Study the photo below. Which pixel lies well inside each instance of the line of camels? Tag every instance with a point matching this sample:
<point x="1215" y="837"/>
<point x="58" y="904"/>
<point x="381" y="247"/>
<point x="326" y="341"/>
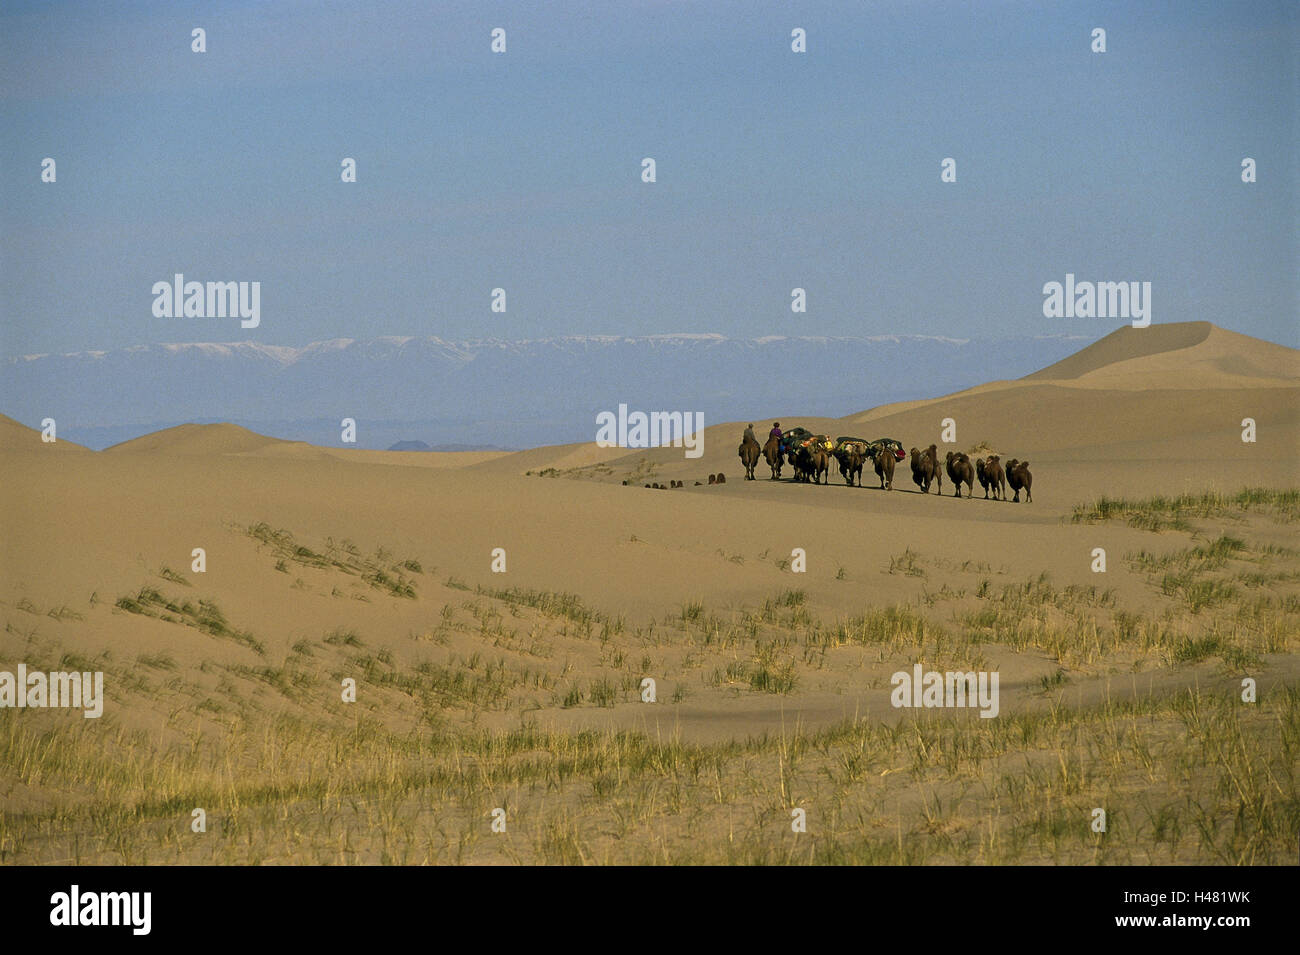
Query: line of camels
<point x="810" y="456"/>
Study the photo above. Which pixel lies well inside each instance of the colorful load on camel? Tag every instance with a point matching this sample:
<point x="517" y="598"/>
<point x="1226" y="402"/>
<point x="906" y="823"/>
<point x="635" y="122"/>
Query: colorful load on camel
<point x="891" y="444"/>
<point x="819" y="440"/>
<point x="794" y="438"/>
<point x="845" y="444"/>
<point x="868" y="449"/>
<point x="797" y="438"/>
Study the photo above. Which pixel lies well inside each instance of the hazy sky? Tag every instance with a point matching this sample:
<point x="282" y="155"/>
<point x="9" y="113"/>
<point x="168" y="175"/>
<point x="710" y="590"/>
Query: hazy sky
<point x="522" y="170"/>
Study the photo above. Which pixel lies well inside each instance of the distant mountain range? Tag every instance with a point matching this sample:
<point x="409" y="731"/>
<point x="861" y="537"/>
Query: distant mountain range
<point x="493" y="392"/>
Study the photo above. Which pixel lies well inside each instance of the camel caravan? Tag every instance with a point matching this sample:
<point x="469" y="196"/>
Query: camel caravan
<point x="809" y="455"/>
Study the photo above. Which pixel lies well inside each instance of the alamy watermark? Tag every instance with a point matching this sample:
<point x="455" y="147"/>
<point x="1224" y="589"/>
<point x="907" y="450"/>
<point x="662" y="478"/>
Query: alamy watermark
<point x="658" y="429"/>
<point x="56" y="689"/>
<point x="1127" y="300"/>
<point x="181" y="299"/>
<point x="934" y="689"/>
<point x="75" y="907"/>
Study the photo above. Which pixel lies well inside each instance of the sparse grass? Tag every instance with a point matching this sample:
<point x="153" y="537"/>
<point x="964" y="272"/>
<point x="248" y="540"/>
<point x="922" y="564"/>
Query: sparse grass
<point x="1081" y="626"/>
<point x="1196" y="649"/>
<point x="569" y="606"/>
<point x="908" y="562"/>
<point x="342" y="637"/>
<point x="1202" y="594"/>
<point x="158" y="661"/>
<point x="452" y="703"/>
<point x="1192" y="777"/>
<point x="205" y="616"/>
<point x="396" y="586"/>
<point x="603" y="693"/>
<point x="380" y="570"/>
<point x="1175" y="513"/>
<point x="1202" y="576"/>
<point x="769" y="673"/>
<point x="1059" y="678"/>
<point x="166" y="573"/>
<point x="1198" y="559"/>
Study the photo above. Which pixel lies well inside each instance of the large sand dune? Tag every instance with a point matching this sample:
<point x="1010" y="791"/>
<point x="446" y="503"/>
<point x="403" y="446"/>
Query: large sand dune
<point x="205" y="439"/>
<point x="17" y="437"/>
<point x="1115" y="412"/>
<point x="153" y="498"/>
<point x="1134" y="357"/>
<point x="150" y="501"/>
<point x="83" y="532"/>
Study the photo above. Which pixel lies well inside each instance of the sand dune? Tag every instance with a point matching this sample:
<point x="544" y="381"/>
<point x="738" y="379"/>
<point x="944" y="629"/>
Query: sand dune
<point x="229" y="439"/>
<point x="199" y="439"/>
<point x="1174" y="392"/>
<point x="16" y="436"/>
<point x="1196" y="357"/>
<point x="305" y="546"/>
<point x="1128" y="343"/>
<point x="1179" y="389"/>
<point x="1082" y="442"/>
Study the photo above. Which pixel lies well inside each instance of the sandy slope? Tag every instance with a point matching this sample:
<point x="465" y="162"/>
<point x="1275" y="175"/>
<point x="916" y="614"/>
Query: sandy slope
<point x="1174" y="393"/>
<point x="453" y="508"/>
<point x="1191" y="350"/>
<point x="1127" y="343"/>
<point x="77" y="523"/>
<point x="17" y="437"/>
<point x="206" y="439"/>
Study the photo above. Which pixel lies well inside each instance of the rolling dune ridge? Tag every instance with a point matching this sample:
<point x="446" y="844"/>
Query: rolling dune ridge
<point x="773" y="687"/>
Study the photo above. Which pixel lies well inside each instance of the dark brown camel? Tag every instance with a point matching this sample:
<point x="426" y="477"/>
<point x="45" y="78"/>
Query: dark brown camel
<point x="923" y="468"/>
<point x="997" y="477"/>
<point x="851" y="462"/>
<point x="885" y="461"/>
<point x="1019" y="478"/>
<point x="960" y="471"/>
<point x="933" y="452"/>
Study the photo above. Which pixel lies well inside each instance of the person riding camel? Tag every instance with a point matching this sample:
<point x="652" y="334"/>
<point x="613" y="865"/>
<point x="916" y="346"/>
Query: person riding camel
<point x="749" y="434"/>
<point x="776" y="430"/>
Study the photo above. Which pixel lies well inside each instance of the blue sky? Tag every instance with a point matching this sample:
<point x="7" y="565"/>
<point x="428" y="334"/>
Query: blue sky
<point x="522" y="170"/>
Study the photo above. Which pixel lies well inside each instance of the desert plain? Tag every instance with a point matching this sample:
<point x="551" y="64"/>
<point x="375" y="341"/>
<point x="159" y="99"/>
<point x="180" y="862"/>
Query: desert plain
<point x="500" y="717"/>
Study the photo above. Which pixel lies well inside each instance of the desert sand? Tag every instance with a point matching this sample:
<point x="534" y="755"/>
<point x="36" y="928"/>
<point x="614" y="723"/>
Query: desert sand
<point x="773" y="687"/>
